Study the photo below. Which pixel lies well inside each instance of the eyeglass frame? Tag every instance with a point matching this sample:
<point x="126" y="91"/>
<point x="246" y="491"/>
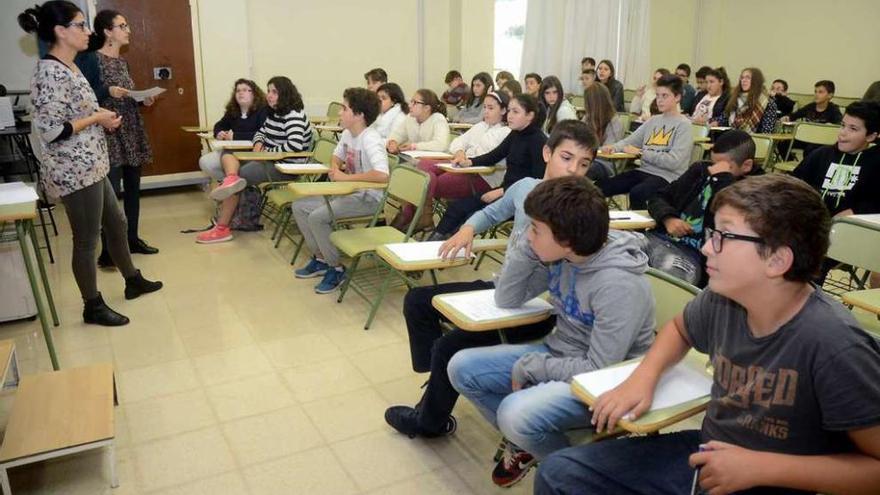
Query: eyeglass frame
<point x="123" y="27"/>
<point x="82" y="25"/>
<point x="718" y="246"/>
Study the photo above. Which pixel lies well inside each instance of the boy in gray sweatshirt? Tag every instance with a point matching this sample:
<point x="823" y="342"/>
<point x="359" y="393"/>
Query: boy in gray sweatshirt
<point x="604" y="315"/>
<point x="664" y="143"/>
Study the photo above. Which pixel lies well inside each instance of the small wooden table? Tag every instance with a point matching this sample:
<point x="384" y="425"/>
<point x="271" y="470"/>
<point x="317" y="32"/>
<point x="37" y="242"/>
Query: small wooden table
<point x="60" y="413"/>
<point x="661" y="418"/>
<point x="23" y="215"/>
<point x="465" y="323"/>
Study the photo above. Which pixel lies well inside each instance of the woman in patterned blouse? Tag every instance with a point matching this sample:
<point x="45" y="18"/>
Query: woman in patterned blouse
<point x="74" y="164"/>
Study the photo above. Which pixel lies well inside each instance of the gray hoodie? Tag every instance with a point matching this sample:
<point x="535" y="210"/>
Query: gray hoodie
<point x="604" y="306"/>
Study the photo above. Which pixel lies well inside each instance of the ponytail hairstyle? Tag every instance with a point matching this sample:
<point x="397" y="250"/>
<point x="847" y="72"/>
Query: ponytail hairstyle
<point x="488" y="85"/>
<point x="232" y="108"/>
<point x="430" y="98"/>
<point x="547" y="83"/>
<point x="42" y="19"/>
<point x="395" y="94"/>
<point x="721" y="74"/>
<point x="104" y="20"/>
<point x="531" y="105"/>
<point x="288" y="96"/>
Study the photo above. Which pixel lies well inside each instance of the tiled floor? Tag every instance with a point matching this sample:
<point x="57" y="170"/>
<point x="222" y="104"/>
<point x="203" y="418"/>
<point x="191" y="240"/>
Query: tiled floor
<point x="236" y="378"/>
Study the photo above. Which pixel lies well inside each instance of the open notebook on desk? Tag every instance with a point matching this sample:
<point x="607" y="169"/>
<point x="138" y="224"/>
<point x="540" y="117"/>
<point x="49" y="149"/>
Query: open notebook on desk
<point x="627" y="215"/>
<point x="479" y="306"/>
<point x="419" y="251"/>
<point x="680" y="384"/>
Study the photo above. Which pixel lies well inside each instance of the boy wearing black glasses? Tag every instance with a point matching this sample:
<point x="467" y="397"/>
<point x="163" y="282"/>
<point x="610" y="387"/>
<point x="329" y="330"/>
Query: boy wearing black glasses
<point x="796" y="389"/>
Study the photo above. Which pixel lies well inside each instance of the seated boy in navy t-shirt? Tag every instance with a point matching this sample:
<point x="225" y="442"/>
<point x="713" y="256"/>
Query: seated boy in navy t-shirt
<point x="796" y="390"/>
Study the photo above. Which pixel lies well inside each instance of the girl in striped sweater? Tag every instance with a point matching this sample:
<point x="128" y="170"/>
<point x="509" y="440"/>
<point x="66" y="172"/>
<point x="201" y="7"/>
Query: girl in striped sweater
<point x="287" y="128"/>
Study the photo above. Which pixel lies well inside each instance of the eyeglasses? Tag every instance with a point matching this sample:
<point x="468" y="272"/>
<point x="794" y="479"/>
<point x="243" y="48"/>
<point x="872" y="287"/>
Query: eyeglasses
<point x="123" y="26"/>
<point x="717" y="237"/>
<point x="416" y="102"/>
<point x="81" y="25"/>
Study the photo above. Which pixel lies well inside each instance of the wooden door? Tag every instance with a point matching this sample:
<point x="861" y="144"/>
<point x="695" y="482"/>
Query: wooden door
<point x="161" y="36"/>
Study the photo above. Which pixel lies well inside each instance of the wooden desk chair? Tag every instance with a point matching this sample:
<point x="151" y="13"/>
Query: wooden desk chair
<point x="405" y="185"/>
<point x="277" y="199"/>
<point x="810" y="133"/>
<point x="334" y="109"/>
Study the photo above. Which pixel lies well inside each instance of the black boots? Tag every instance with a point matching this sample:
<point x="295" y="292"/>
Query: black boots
<point x="140" y="246"/>
<point x="97" y="312"/>
<point x="138" y="285"/>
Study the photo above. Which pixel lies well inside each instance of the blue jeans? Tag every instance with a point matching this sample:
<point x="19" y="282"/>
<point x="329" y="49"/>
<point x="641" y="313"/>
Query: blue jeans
<point x="534" y="418"/>
<point x="628" y="466"/>
<point x="654" y="465"/>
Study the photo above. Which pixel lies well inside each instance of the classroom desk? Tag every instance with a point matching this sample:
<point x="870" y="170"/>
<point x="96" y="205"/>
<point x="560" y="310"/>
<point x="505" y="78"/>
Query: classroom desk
<point x="270" y="156"/>
<point x="60" y="413"/>
<point x="321" y="119"/>
<point x="23" y="215"/>
<point x="332" y="188"/>
<point x="459" y="126"/>
<point x="335" y="129"/>
<point x="196" y="128"/>
<point x="702" y="139"/>
<point x="868" y="299"/>
<point x="479" y="246"/>
<point x="661" y="418"/>
<point x="618" y="159"/>
<point x="634" y="224"/>
<point x="292" y="169"/>
<point x="465" y="323"/>
<point x="468" y="170"/>
<point x="229" y="147"/>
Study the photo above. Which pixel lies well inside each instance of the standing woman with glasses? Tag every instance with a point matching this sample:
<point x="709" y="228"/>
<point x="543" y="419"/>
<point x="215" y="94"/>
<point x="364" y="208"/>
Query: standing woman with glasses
<point x="74" y="165"/>
<point x="128" y="145"/>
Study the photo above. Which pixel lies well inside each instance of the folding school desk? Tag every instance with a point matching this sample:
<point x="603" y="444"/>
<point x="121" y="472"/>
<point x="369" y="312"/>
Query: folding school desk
<point x="23" y="215"/>
<point x="460" y="320"/>
<point x="195" y="128"/>
<point x="404" y="267"/>
<point x="269" y="156"/>
<point x="212" y="143"/>
<point x="618" y="159"/>
<point x="470" y="171"/>
<point x="330" y="189"/>
<point x="775" y="138"/>
<point x="634" y="223"/>
<point x="654" y="421"/>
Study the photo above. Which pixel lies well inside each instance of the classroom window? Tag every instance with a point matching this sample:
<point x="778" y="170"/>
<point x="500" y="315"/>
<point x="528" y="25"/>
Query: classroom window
<point x="510" y="28"/>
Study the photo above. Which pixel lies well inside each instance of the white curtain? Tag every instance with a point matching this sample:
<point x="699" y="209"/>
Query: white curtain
<point x="560" y="32"/>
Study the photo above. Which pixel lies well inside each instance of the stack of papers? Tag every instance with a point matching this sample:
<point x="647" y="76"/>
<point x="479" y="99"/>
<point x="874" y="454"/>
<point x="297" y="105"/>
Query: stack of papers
<point x="480" y="306"/>
<point x="420" y="251"/>
<point x="12" y="193"/>
<point x="678" y="385"/>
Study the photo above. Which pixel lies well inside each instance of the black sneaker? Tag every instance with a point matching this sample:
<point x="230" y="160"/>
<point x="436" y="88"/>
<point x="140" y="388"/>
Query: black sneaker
<point x="405" y="419"/>
<point x="513" y="466"/>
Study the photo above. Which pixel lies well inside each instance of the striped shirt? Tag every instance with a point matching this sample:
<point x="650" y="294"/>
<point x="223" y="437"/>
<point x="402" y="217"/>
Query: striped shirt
<point x="291" y="132"/>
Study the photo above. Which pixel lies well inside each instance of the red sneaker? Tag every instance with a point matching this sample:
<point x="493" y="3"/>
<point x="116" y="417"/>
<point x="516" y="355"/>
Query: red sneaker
<point x="513" y="466"/>
<point x="220" y="233"/>
<point x="232" y="184"/>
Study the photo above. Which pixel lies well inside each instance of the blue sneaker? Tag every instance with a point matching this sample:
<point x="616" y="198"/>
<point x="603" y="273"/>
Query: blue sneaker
<point x="315" y="268"/>
<point x="331" y="281"/>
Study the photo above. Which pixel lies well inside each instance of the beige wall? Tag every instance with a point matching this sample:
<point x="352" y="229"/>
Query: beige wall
<point x="325" y="47"/>
<point x="801" y="41"/>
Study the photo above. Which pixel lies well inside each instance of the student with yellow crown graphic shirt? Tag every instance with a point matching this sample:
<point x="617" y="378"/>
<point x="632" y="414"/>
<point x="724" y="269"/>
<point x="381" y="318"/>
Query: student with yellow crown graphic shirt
<point x="664" y="144"/>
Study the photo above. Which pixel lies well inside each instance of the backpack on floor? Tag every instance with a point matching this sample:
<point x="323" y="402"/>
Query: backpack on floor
<point x="247" y="213"/>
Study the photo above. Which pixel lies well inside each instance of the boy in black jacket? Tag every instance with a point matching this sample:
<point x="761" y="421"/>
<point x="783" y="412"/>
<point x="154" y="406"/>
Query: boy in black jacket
<point x="681" y="209"/>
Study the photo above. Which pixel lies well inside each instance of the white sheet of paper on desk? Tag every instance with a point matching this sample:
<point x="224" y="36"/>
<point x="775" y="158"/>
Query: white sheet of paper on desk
<point x="480" y="306"/>
<point x="425" y="154"/>
<point x="220" y="143"/>
<point x="143" y="94"/>
<point x="419" y="251"/>
<point x="627" y="216"/>
<point x="678" y="385"/>
<point x="16" y="192"/>
<point x="301" y="166"/>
